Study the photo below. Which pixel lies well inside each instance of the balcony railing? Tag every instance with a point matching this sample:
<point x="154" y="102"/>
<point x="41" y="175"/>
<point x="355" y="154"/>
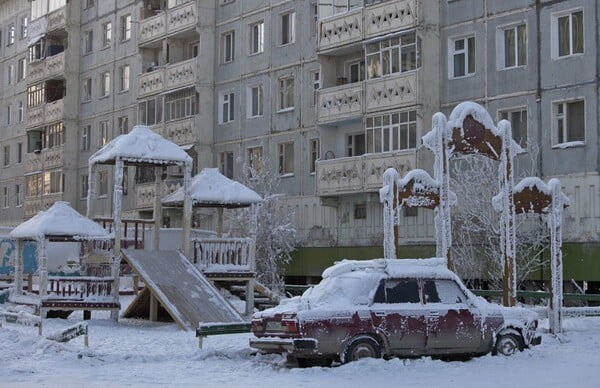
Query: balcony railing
<point x="169" y="77"/>
<point x="364" y="23"/>
<point x="361" y="173"/>
<point x="145" y="193"/>
<point x="57" y="19"/>
<point x="33" y="205"/>
<point x="46" y="68"/>
<point x="224" y="254"/>
<point x="172" y="21"/>
<point x="46" y="159"/>
<point x="353" y="100"/>
<point x="180" y="132"/>
<point x="45" y="113"/>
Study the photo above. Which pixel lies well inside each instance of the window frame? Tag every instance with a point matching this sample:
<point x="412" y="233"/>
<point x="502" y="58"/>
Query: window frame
<point x="124" y="78"/>
<point x="519" y="45"/>
<point x="453" y="53"/>
<point x="105" y="83"/>
<point x="314" y="154"/>
<point x="103" y="133"/>
<point x="284" y="94"/>
<point x="285" y="157"/>
<point x="555" y="32"/>
<point x="556" y="143"/>
<point x="86" y="138"/>
<point x="226" y="107"/>
<point x="250" y="105"/>
<point x="259" y="41"/>
<point x="509" y="112"/>
<point x="384" y="124"/>
<point x="227" y="47"/>
<point x="106" y="34"/>
<point x="88" y="41"/>
<point x="391" y="50"/>
<point x="125" y="27"/>
<point x="287" y="32"/>
<point x="226" y="163"/>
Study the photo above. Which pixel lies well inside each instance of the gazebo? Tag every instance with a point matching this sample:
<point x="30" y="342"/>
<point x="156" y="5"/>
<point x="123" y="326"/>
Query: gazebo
<point x="61" y="223"/>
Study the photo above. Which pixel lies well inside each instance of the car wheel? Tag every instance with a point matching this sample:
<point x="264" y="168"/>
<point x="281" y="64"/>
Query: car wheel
<point x="362" y="347"/>
<point x="508" y="344"/>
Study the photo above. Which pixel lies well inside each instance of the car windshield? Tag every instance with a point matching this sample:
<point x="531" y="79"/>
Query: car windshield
<point x="342" y="290"/>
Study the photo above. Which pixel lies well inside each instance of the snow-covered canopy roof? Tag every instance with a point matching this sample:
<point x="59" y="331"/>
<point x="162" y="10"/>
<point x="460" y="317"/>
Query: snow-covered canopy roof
<point x="531" y="194"/>
<point x="432" y="268"/>
<point x="60" y="220"/>
<point x="210" y="188"/>
<point x="141" y="146"/>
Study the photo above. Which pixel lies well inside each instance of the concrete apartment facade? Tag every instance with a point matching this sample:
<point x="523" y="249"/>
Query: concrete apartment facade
<point x="330" y="92"/>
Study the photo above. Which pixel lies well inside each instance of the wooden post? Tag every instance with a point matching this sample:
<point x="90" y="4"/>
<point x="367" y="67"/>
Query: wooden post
<point x="91" y="194"/>
<point x="116" y="265"/>
<point x="250" y="297"/>
<point x="157" y="207"/>
<point x="153" y="308"/>
<point x="19" y="268"/>
<point x="42" y="268"/>
<point x="187" y="210"/>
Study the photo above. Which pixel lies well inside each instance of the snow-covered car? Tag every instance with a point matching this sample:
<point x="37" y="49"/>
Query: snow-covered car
<point x="385" y="308"/>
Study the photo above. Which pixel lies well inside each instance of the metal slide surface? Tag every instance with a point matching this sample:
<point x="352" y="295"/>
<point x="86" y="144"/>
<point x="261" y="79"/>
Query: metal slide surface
<point x="188" y="296"/>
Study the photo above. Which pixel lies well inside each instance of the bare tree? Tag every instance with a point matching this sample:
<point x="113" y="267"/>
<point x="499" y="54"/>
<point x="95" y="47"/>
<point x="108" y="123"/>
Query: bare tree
<point x="476" y="251"/>
<point x="275" y="234"/>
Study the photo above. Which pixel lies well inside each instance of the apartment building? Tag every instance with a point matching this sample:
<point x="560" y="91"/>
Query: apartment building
<point x="329" y="93"/>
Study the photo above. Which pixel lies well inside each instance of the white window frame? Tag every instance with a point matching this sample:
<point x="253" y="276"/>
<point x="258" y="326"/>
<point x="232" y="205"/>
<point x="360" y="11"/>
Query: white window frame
<point x="226" y="107"/>
<point x="563" y="117"/>
<point x="255" y="158"/>
<point x="287" y="32"/>
<point x="11" y="34"/>
<point x="250" y="101"/>
<point x="554" y="33"/>
<point x="228" y="47"/>
<point x="125" y="27"/>
<point x="6" y="156"/>
<point x="257" y="37"/>
<point x="87" y="89"/>
<point x="18" y="195"/>
<point x="88" y="41"/>
<point x="105" y="84"/>
<point x="386" y="56"/>
<point x="361" y="70"/>
<point x="315" y="154"/>
<point x="315" y="77"/>
<point x="106" y="34"/>
<point x="84" y="181"/>
<point x="10" y="74"/>
<point x="501" y="49"/>
<point x="285" y="96"/>
<point x="509" y="112"/>
<point x="386" y="132"/>
<point x="21" y="112"/>
<point x="6" y="198"/>
<point x="21" y="69"/>
<point x="24" y="25"/>
<point x="103" y="133"/>
<point x="123" y="124"/>
<point x="285" y="157"/>
<point x="124" y="78"/>
<point x="226" y="163"/>
<point x="102" y="184"/>
<point x="453" y="53"/>
<point x="86" y="138"/>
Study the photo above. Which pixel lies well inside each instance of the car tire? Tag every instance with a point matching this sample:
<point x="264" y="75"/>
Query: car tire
<point x="362" y="347"/>
<point x="508" y="344"/>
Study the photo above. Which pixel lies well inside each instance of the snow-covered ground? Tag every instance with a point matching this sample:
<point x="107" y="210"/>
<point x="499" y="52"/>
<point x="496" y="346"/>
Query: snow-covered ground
<point x="140" y="353"/>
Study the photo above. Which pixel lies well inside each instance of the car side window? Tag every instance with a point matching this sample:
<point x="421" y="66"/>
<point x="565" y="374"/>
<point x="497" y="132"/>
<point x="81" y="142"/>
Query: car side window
<point x="449" y="292"/>
<point x="402" y="291"/>
<point x="430" y="290"/>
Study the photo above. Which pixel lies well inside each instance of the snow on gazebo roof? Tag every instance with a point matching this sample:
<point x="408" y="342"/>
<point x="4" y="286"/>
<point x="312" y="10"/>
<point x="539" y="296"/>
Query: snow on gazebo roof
<point x="210" y="188"/>
<point x="60" y="220"/>
<point x="141" y="145"/>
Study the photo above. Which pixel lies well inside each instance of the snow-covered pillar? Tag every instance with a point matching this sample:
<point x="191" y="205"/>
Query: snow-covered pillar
<point x="187" y="210"/>
<point x="157" y="207"/>
<point x="507" y="224"/>
<point x="386" y="197"/>
<point x="91" y="194"/>
<point x="19" y="267"/>
<point x="42" y="257"/>
<point x="253" y="232"/>
<point x="117" y="205"/>
<point x="555" y="226"/>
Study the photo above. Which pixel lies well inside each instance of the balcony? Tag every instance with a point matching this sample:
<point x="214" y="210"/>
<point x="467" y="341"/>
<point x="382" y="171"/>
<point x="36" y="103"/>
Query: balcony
<point x="180" y="132"/>
<point x="169" y="77"/>
<point x="47" y="68"/>
<point x="171" y="22"/>
<point x="45" y="113"/>
<point x="340" y="103"/>
<point x="46" y="159"/>
<point x="344" y="29"/>
<point x="57" y="20"/>
<point x="360" y="174"/>
<point x="33" y="205"/>
<point x="145" y="193"/>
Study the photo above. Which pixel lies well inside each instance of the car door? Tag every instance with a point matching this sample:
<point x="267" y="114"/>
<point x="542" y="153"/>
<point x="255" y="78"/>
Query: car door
<point x="453" y="325"/>
<point x="398" y="313"/>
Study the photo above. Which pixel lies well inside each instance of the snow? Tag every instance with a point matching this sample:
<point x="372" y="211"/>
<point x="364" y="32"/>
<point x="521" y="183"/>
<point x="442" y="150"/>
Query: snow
<point x="141" y="145"/>
<point x="59" y="220"/>
<point x="212" y="187"/>
<point x="569" y="144"/>
<point x="139" y="353"/>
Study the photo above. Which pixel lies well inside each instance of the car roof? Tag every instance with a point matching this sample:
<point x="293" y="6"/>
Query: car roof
<point x="435" y="268"/>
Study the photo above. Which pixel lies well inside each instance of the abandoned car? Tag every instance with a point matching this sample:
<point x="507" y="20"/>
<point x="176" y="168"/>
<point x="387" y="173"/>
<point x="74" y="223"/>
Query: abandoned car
<point x="386" y="308"/>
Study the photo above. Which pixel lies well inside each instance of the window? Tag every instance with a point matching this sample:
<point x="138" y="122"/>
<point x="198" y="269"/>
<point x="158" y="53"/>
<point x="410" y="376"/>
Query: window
<point x="288" y="21"/>
<point x="150" y="111"/>
<point x="36" y="51"/>
<point x="356" y="145"/>
<point x="105" y="84"/>
<point x="103" y="133"/>
<point x="87" y="89"/>
<point x="227" y="47"/>
<point x="19" y="152"/>
<point x="257" y="37"/>
<point x="34" y="141"/>
<point x="398" y="54"/>
<point x="21" y="112"/>
<point x="6" y="155"/>
<point x="10" y="74"/>
<point x="11" y="34"/>
<point x="316" y="82"/>
<point x="144" y="175"/>
<point x="33" y="185"/>
<point x="334" y="7"/>
<point x="125" y="27"/>
<point x="567" y="34"/>
<point x="21" y="69"/>
<point x="18" y="196"/>
<point x="124" y="78"/>
<point x="514" y="45"/>
<point x="36" y="95"/>
<point x="84" y="185"/>
<point x="286" y="158"/>
<point x="5" y="196"/>
<point x="53" y="182"/>
<point x="227" y="107"/>
<point x="518" y="121"/>
<point x="255" y="101"/>
<point x="255" y="160"/>
<point x="462" y="57"/>
<point x="286" y="93"/>
<point x="360" y="211"/>
<point x="123" y="125"/>
<point x="226" y="164"/>
<point x="106" y="34"/>
<point x="181" y="104"/>
<point x="102" y="183"/>
<point x="569" y="122"/>
<point x="54" y="135"/>
<point x="24" y="23"/>
<point x="88" y="41"/>
<point x="314" y="155"/>
<point x="390" y="132"/>
<point x="356" y="71"/>
<point x="443" y="291"/>
<point x="8" y="114"/>
<point x="86" y="137"/>
<point x="397" y="291"/>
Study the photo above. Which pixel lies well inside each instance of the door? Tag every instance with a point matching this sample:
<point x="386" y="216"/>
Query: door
<point x="453" y="325"/>
<point x="398" y="313"/>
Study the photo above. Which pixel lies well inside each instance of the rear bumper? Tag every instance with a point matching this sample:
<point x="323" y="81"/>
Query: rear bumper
<point x="296" y="346"/>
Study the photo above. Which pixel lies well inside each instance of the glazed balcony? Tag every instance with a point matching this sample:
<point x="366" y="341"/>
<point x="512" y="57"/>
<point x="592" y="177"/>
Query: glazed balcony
<point x="45" y="113"/>
<point x="46" y="159"/>
<point x="46" y="68"/>
<point x="345" y="29"/>
<point x="171" y="22"/>
<point x="360" y="174"/>
<point x="351" y="101"/>
<point x="172" y="76"/>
